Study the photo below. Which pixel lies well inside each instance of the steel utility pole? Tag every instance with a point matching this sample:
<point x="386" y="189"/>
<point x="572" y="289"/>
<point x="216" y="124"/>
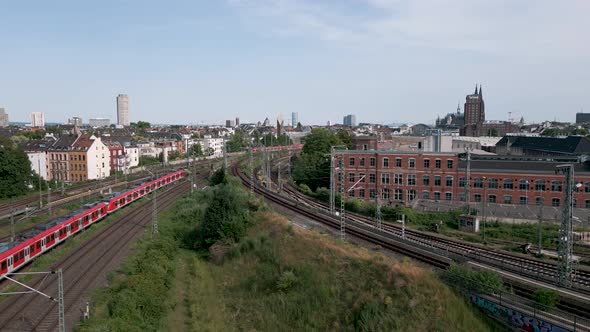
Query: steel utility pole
<point x="60" y="293"/>
<point x="341" y="178"/>
<point x="467" y="180"/>
<point x="40" y="189"/>
<point x="565" y="244"/>
<point x="279" y="177"/>
<point x="332" y="187"/>
<point x="251" y="164"/>
<point x="539" y="250"/>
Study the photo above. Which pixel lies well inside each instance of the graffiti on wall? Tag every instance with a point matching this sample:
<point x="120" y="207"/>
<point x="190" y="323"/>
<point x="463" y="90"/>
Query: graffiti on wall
<point x="514" y="318"/>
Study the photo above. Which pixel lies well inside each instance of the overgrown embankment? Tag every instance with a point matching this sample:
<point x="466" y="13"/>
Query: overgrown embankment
<point x="224" y="262"/>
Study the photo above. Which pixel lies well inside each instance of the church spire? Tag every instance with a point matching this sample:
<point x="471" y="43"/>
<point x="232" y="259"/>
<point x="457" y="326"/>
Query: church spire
<point x="475" y="90"/>
<point x="480" y="90"/>
<point x="458" y="108"/>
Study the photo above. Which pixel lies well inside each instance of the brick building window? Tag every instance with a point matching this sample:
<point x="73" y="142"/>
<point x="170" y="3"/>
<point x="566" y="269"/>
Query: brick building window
<point x="362" y="161"/>
<point x="425" y="195"/>
<point x="398" y="179"/>
<point x="478" y="183"/>
<point x="588" y="204"/>
<point x="351" y="193"/>
<point x="362" y="177"/>
<point x="492" y="198"/>
<point x="426" y="180"/>
<point x="524" y="200"/>
<point x="361" y="192"/>
<point x="587" y="187"/>
<point x="462" y="197"/>
<point x="412" y="163"/>
<point x="449" y="181"/>
<point x="462" y="182"/>
<point x="540" y="185"/>
<point x="372" y="178"/>
<point x="556" y="186"/>
<point x="351" y="161"/>
<point x="411" y="179"/>
<point x="398" y="162"/>
<point x="538" y="201"/>
<point x="555" y="202"/>
<point x="371" y="193"/>
<point x="477" y="197"/>
<point x="493" y="183"/>
<point x="507" y="199"/>
<point x="437" y="180"/>
<point x="436" y="196"/>
<point x="523" y="185"/>
<point x="372" y="162"/>
<point x="385" y="162"/>
<point x="351" y="177"/>
<point x="437" y="163"/>
<point x="426" y="163"/>
<point x="411" y="195"/>
<point x="508" y="184"/>
<point x="398" y="194"/>
<point x="385" y="193"/>
<point x="384" y="178"/>
<point x="449" y="196"/>
<point x="449" y="163"/>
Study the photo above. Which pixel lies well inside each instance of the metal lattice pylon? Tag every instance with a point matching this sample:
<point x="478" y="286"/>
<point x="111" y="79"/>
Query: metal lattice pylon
<point x="341" y="182"/>
<point x="60" y="300"/>
<point x="565" y="244"/>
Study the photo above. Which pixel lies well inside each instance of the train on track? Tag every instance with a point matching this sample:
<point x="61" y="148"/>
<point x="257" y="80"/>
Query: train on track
<point x="14" y="255"/>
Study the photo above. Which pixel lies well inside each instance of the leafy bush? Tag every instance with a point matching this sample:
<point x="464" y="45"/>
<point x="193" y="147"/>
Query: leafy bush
<point x="219" y="177"/>
<point x="286" y="281"/>
<point x="482" y="282"/>
<point x="547" y="297"/>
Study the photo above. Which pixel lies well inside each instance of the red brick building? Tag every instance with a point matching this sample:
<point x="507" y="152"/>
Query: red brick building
<point x="402" y="177"/>
<point x="115" y="150"/>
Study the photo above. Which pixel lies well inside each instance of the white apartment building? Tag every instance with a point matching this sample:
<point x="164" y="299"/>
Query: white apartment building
<point x="215" y="145"/>
<point x="37" y="119"/>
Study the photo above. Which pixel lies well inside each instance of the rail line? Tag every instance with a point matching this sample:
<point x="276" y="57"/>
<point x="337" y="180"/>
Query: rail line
<point x="83" y="268"/>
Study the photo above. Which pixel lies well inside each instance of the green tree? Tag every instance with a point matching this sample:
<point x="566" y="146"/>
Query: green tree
<point x="237" y="141"/>
<point x="345" y="138"/>
<point x="197" y="150"/>
<point x="15" y="170"/>
<point x="219" y="177"/>
<point x="546" y="297"/>
<point x="225" y="218"/>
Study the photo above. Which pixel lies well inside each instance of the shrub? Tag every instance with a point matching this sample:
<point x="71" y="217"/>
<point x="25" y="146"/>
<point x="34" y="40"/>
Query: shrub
<point x="286" y="281"/>
<point x="482" y="282"/>
<point x="546" y="297"/>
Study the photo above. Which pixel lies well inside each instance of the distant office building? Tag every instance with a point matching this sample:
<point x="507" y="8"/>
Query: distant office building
<point x="350" y="120"/>
<point x="37" y="119"/>
<point x="75" y="121"/>
<point x="237" y="121"/>
<point x="123" y="110"/>
<point x="3" y="118"/>
<point x="582" y="118"/>
<point x="294" y="119"/>
<point x="99" y="122"/>
<point x="230" y="123"/>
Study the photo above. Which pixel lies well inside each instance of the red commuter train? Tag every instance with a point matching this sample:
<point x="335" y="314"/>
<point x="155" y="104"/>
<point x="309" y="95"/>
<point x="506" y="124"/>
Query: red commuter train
<point x="13" y="255"/>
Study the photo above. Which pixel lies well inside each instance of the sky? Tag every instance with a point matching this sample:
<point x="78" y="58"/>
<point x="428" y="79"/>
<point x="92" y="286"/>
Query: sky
<point x="205" y="61"/>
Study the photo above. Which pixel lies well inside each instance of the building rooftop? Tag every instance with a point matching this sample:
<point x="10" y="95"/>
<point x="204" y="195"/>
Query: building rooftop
<point x="574" y="145"/>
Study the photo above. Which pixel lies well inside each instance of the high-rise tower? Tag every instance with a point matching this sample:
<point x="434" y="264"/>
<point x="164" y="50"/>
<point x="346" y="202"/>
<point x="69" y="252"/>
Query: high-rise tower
<point x="474" y="113"/>
<point x="123" y="110"/>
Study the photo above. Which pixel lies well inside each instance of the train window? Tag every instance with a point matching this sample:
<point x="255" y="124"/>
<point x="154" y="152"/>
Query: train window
<point x="21" y="255"/>
<point x="32" y="248"/>
<point x="48" y="239"/>
<point x="38" y="245"/>
<point x="3" y="266"/>
<point x="15" y="257"/>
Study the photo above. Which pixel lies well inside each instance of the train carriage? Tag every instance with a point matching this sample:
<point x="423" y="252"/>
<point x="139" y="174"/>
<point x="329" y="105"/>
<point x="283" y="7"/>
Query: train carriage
<point x="43" y="237"/>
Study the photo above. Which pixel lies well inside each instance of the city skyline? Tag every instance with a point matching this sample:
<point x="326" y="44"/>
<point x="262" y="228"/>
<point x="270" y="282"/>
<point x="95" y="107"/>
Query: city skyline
<point x="385" y="61"/>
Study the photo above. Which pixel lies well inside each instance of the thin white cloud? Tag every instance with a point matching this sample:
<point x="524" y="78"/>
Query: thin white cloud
<point x="542" y="28"/>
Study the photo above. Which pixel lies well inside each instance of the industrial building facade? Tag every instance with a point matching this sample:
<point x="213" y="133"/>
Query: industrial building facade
<point x="402" y="177"/>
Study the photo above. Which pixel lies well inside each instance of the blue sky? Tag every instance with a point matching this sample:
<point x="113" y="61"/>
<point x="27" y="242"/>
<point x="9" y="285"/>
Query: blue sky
<point x="205" y="61"/>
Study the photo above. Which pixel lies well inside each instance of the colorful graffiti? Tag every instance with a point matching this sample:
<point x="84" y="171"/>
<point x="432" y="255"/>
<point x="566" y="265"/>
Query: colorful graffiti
<point x="514" y="318"/>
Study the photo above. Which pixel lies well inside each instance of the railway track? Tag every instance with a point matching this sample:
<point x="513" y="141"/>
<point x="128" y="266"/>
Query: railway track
<point x="526" y="266"/>
<point x="84" y="268"/>
<point x="421" y="250"/>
